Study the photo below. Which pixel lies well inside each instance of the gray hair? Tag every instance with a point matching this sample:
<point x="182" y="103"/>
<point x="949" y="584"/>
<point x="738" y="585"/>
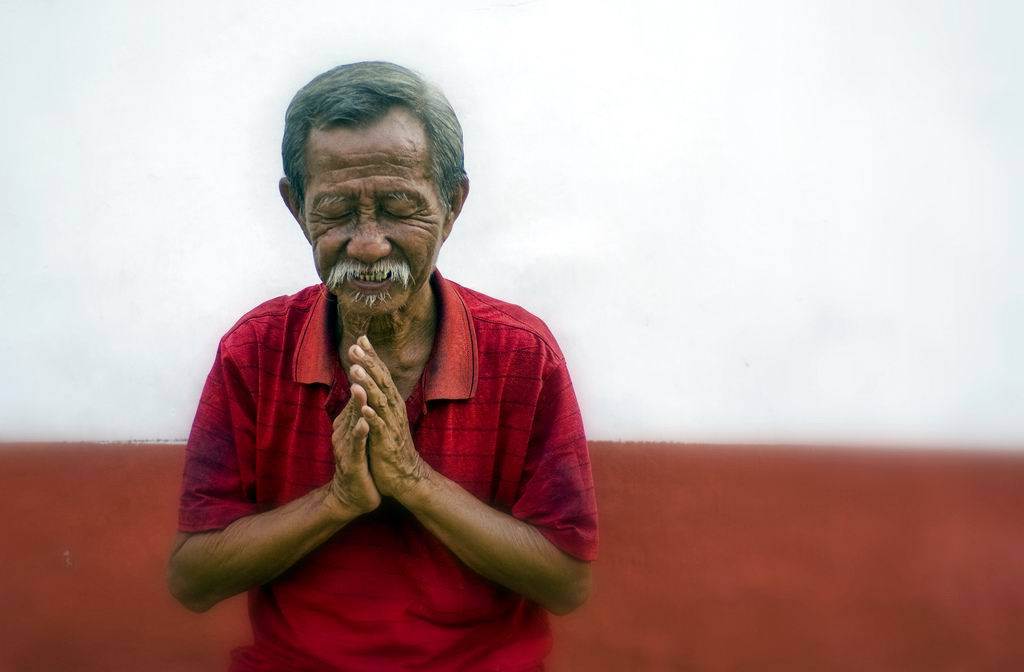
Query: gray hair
<point x="361" y="93"/>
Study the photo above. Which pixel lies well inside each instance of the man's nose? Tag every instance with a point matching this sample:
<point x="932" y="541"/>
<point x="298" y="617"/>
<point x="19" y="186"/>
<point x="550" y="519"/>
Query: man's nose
<point x="368" y="243"/>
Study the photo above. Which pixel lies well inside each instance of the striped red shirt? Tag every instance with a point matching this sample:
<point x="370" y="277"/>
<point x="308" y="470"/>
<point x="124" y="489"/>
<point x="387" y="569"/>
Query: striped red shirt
<point x="494" y="411"/>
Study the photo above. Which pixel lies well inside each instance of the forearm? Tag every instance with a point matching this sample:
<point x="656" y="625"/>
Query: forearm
<point x="211" y="566"/>
<point x="498" y="546"/>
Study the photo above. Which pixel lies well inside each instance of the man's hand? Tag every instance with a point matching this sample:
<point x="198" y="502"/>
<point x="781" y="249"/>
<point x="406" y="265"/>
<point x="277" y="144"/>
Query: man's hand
<point x="394" y="462"/>
<point x="493" y="544"/>
<point x="352" y="486"/>
<point x="207" y="567"/>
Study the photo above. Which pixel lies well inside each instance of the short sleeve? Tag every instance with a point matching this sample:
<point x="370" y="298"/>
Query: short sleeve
<point x="214" y="491"/>
<point x="556" y="494"/>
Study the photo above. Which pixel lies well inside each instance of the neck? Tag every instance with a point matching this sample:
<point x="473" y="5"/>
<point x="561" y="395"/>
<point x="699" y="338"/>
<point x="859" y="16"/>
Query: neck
<point x="402" y="338"/>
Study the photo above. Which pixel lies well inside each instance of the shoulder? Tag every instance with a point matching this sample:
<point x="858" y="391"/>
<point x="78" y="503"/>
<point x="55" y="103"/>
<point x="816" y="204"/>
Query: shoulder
<point x="274" y="321"/>
<point x="502" y="324"/>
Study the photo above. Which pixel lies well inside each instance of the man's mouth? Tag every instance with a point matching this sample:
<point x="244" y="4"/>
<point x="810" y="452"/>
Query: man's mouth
<point x="376" y="280"/>
<point x="371" y="281"/>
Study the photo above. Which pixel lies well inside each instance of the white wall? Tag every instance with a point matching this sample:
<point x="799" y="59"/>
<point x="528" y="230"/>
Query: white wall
<point x="744" y="221"/>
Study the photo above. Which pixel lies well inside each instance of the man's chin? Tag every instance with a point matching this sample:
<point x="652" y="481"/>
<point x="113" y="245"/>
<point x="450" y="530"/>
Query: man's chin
<point x="369" y="303"/>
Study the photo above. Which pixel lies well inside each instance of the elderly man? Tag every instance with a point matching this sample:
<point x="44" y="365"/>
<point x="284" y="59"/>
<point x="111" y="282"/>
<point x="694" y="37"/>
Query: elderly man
<point x="394" y="466"/>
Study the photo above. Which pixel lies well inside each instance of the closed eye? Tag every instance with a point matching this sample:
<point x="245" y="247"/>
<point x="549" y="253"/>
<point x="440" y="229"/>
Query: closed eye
<point x="332" y="208"/>
<point x="399" y="204"/>
<point x="336" y="216"/>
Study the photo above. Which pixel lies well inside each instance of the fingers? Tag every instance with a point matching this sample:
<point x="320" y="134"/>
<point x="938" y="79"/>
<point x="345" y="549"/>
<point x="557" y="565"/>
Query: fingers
<point x="358" y="398"/>
<point x="363" y="353"/>
<point x="372" y="418"/>
<point x="376" y="396"/>
<point x="360" y="433"/>
<point x="350" y="439"/>
<point x="357" y="444"/>
<point x="344" y="418"/>
<point x="350" y="414"/>
<point x="364" y="343"/>
<point x="373" y="421"/>
<point x="361" y="429"/>
<point x="343" y="424"/>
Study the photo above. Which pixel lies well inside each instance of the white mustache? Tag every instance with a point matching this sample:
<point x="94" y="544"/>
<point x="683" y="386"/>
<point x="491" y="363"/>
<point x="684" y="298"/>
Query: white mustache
<point x="346" y="268"/>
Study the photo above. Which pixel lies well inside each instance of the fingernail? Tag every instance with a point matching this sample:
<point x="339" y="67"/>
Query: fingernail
<point x="357" y="371"/>
<point x="359" y="351"/>
<point x="364" y="341"/>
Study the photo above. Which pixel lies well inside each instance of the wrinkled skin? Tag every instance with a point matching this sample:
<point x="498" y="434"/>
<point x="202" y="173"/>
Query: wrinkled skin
<point x="370" y="196"/>
<point x="395" y="464"/>
<point x="352" y="485"/>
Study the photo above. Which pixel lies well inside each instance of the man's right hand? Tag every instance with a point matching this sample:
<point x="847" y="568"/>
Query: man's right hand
<point x="352" y="489"/>
<point x="206" y="567"/>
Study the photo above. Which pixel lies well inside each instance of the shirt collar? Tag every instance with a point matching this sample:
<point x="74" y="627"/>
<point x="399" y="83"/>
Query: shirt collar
<point x="451" y="371"/>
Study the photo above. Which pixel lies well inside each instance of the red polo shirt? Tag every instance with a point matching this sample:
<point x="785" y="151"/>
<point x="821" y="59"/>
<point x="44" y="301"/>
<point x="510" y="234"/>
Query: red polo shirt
<point x="494" y="411"/>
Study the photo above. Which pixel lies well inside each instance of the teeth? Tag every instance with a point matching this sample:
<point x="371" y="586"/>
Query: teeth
<point x="372" y="277"/>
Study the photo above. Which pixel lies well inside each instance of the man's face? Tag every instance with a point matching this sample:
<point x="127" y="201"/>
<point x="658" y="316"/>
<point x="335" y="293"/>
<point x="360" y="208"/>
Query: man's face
<point x="372" y="211"/>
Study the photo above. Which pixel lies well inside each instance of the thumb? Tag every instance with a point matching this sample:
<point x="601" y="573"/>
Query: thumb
<point x="343" y="418"/>
<point x="358" y="444"/>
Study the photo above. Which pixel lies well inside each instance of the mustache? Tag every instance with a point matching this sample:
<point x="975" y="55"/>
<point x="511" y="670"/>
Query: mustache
<point x="345" y="268"/>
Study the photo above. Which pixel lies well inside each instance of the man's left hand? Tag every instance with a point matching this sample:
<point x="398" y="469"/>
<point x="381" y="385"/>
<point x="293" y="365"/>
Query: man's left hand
<point x="394" y="463"/>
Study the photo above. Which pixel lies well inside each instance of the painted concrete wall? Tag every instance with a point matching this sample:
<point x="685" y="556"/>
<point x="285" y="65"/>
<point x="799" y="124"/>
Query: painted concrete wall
<point x="711" y="558"/>
<point x="743" y="221"/>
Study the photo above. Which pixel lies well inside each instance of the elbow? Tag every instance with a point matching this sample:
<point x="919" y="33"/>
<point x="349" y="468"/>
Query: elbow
<point x="567" y="604"/>
<point x="184" y="591"/>
<point x="575" y="593"/>
<point x="179" y="590"/>
<point x="195" y="606"/>
<point x="186" y="598"/>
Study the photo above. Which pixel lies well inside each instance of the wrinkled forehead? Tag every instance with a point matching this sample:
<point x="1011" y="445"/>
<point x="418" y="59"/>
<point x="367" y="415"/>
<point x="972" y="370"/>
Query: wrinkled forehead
<point x="368" y="176"/>
<point x="347" y="167"/>
<point x="398" y="138"/>
<point x="363" y="165"/>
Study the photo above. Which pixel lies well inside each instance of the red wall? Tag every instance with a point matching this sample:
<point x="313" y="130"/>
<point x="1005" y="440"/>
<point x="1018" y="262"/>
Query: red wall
<point x="712" y="558"/>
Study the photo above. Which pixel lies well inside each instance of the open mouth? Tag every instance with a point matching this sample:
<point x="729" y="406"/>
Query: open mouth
<point x="376" y="280"/>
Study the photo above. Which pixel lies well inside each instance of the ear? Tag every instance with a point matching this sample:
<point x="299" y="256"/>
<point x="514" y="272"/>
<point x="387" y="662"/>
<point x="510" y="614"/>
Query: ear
<point x="458" y="200"/>
<point x="291" y="202"/>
